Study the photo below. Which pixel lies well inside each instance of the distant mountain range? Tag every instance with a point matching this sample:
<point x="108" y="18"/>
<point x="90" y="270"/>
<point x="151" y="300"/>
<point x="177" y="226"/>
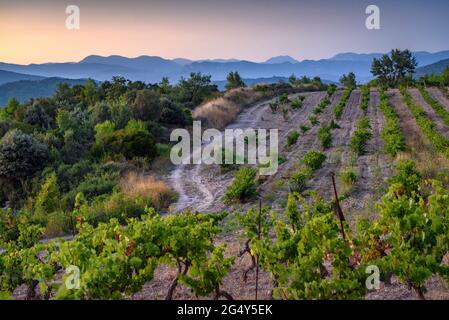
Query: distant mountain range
<point x="152" y="69"/>
<point x="23" y="90"/>
<point x="434" y="68"/>
<point x="8" y="76"/>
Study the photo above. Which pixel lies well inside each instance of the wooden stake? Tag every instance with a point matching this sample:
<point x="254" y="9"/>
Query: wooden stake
<point x="339" y="212"/>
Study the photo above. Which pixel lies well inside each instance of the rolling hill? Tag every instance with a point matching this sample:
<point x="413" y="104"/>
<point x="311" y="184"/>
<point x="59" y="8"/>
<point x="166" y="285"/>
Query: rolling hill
<point x="26" y="89"/>
<point x="8" y="76"/>
<point x="434" y="68"/>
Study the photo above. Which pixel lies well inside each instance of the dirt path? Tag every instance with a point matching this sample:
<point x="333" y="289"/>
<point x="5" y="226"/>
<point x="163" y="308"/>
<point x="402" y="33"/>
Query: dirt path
<point x="438" y="95"/>
<point x="431" y="114"/>
<point x="413" y="135"/>
<point x="201" y="187"/>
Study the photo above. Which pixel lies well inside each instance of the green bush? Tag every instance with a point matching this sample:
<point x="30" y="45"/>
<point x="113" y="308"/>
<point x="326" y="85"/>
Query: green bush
<point x="348" y="176"/>
<point x="297" y="103"/>
<point x="407" y="176"/>
<point x="298" y="179"/>
<point x="394" y="140"/>
<point x="338" y="110"/>
<point x="325" y="136"/>
<point x="243" y="187"/>
<point x="304" y="129"/>
<point x="274" y="106"/>
<point x="292" y="138"/>
<point x="361" y="136"/>
<point x="284" y="98"/>
<point x="366" y="90"/>
<point x="314" y="159"/>
<point x="314" y="120"/>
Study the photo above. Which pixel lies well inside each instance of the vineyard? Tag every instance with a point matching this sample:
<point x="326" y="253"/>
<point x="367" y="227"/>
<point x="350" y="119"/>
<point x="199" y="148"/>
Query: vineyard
<point x="363" y="181"/>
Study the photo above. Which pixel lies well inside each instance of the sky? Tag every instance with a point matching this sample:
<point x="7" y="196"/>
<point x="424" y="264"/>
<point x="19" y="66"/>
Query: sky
<point x="34" y="31"/>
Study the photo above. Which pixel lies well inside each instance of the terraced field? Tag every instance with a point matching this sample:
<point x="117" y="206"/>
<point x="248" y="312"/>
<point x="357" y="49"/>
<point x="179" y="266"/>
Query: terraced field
<point x="372" y="168"/>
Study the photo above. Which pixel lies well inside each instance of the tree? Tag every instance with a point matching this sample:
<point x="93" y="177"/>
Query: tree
<point x="37" y="116"/>
<point x="21" y="156"/>
<point x="146" y="106"/>
<point x="90" y="94"/>
<point x="348" y="80"/>
<point x="234" y="81"/>
<point x="395" y="67"/>
<point x="195" y="90"/>
<point x="12" y="105"/>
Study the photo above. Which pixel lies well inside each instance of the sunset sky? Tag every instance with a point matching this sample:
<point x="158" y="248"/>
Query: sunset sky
<point x="34" y="31"/>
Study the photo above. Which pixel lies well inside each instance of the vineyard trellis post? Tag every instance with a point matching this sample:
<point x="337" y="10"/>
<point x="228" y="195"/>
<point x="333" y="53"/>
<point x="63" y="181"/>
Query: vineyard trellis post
<point x="338" y="210"/>
<point x="257" y="256"/>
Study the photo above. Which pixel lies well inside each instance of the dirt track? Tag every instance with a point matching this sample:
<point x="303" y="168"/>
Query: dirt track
<point x="418" y="99"/>
<point x="438" y="95"/>
<point x="374" y="169"/>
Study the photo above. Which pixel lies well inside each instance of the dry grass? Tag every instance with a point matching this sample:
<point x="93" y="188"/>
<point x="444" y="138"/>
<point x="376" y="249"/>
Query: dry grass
<point x="135" y="185"/>
<point x="220" y="112"/>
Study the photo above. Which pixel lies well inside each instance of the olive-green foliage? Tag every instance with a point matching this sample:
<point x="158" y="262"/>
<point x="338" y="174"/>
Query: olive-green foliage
<point x="314" y="159"/>
<point x="243" y="187"/>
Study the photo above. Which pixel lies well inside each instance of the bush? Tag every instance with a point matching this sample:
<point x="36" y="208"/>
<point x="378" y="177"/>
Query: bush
<point x="338" y="110"/>
<point x="243" y="187"/>
<point x="325" y="136"/>
<point x="394" y="140"/>
<point x="361" y="136"/>
<point x="314" y="159"/>
<point x="407" y="176"/>
<point x="297" y="103"/>
<point x="348" y="176"/>
<point x="299" y="179"/>
<point x="48" y="199"/>
<point x="292" y="138"/>
<point x="274" y="106"/>
<point x="314" y="120"/>
<point x="304" y="129"/>
<point x="21" y="156"/>
<point x="284" y="98"/>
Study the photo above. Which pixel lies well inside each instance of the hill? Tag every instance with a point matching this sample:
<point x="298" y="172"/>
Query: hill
<point x="152" y="69"/>
<point x="26" y="89"/>
<point x="434" y="68"/>
<point x="281" y="59"/>
<point x="8" y="76"/>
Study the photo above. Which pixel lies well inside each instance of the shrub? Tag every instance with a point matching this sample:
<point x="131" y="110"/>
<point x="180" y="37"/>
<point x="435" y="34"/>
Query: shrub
<point x="297" y="103"/>
<point x="314" y="120"/>
<point x="331" y="89"/>
<point x="394" y="140"/>
<point x="338" y="110"/>
<point x="314" y="159"/>
<point x="243" y="187"/>
<point x="48" y="199"/>
<point x="348" y="176"/>
<point x="407" y="176"/>
<point x="21" y="156"/>
<point x="304" y="129"/>
<point x="292" y="138"/>
<point x="325" y="136"/>
<point x="361" y="136"/>
<point x="298" y="179"/>
<point x="284" y="98"/>
<point x="365" y="98"/>
<point x="274" y="106"/>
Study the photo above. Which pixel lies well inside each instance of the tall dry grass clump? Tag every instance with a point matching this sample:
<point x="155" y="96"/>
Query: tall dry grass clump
<point x="147" y="188"/>
<point x="220" y="112"/>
